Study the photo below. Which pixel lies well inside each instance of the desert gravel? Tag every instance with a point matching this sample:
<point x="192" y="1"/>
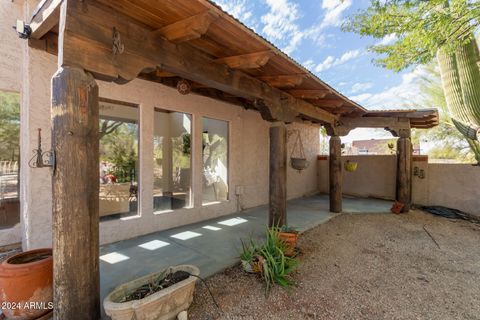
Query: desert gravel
<point x="364" y="266"/>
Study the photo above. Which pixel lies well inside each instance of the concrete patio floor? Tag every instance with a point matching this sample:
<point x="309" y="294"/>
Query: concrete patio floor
<point x="212" y="245"/>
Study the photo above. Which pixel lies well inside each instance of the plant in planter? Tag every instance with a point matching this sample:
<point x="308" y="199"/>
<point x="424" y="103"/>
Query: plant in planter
<point x="158" y="296"/>
<point x="27" y="277"/>
<point x="350" y="166"/>
<point x="298" y="162"/>
<point x="275" y="265"/>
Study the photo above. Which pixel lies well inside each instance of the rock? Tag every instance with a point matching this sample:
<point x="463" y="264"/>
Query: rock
<point x="182" y="315"/>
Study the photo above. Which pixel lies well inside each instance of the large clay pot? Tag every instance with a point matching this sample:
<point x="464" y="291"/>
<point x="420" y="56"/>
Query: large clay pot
<point x="26" y="285"/>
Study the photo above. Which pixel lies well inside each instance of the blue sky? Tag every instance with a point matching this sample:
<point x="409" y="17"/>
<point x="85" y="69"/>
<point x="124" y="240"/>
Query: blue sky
<point x="309" y="31"/>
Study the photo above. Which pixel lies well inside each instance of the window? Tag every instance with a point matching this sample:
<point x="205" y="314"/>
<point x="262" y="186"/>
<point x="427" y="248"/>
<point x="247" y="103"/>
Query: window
<point x="9" y="159"/>
<point x="172" y="163"/>
<point x="118" y="159"/>
<point x="215" y="161"/>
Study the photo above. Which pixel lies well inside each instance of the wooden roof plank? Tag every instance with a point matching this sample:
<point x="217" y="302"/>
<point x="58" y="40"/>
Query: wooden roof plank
<point x="88" y="42"/>
<point x="247" y="61"/>
<point x="284" y="81"/>
<point x="193" y="27"/>
<point x="45" y="17"/>
<point x="309" y="93"/>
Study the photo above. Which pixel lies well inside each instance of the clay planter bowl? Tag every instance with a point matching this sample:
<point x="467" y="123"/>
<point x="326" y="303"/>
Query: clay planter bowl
<point x="24" y="278"/>
<point x="299" y="163"/>
<point x="165" y="304"/>
<point x="290" y="238"/>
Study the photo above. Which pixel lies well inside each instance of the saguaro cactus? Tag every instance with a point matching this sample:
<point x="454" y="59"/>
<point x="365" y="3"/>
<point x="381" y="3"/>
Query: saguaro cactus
<point x="461" y="84"/>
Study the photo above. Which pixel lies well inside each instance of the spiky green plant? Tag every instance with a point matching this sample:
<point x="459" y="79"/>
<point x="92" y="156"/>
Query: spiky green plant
<point x="276" y="267"/>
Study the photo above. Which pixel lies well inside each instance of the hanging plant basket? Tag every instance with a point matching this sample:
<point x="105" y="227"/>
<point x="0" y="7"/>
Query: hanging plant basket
<point x="350" y="166"/>
<point x="298" y="161"/>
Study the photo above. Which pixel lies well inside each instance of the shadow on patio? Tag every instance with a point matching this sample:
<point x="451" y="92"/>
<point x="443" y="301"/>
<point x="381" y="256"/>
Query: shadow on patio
<point x="212" y="245"/>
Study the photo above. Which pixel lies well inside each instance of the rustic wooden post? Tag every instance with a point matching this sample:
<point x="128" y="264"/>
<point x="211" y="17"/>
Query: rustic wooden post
<point x="75" y="135"/>
<point x="278" y="175"/>
<point x="335" y="174"/>
<point x="404" y="169"/>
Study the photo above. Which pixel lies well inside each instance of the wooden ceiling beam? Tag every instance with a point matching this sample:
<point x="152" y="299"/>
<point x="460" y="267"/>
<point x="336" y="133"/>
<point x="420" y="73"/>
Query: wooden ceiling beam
<point x="92" y="35"/>
<point x="164" y="74"/>
<point x="309" y="94"/>
<point x="188" y="29"/>
<point x="44" y="18"/>
<point x="375" y="122"/>
<point x="248" y="61"/>
<point x="284" y="81"/>
<point x="328" y="103"/>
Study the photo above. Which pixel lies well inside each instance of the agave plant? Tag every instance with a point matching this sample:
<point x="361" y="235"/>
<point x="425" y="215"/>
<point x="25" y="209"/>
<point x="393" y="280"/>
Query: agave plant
<point x="276" y="267"/>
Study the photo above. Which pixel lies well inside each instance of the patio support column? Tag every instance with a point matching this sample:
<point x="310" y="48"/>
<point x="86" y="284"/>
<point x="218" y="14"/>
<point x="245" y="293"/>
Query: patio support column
<point x="335" y="173"/>
<point x="404" y="169"/>
<point x="75" y="139"/>
<point x="278" y="175"/>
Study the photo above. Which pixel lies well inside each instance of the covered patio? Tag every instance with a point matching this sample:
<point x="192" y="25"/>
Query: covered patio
<point x="198" y="243"/>
<point x="199" y="49"/>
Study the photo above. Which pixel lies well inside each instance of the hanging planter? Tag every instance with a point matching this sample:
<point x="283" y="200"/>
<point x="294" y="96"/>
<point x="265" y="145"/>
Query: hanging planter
<point x="350" y="166"/>
<point x="299" y="161"/>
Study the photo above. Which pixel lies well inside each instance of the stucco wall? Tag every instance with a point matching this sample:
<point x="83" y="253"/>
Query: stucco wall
<point x="11" y="59"/>
<point x="450" y="185"/>
<point x="248" y="150"/>
<point x="455" y="186"/>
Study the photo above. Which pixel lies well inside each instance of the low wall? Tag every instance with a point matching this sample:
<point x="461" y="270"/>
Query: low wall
<point x="450" y="185"/>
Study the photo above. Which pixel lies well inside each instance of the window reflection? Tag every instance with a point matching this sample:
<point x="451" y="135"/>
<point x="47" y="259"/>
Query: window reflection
<point x="215" y="160"/>
<point x="118" y="160"/>
<point x="9" y="159"/>
<point x="172" y="160"/>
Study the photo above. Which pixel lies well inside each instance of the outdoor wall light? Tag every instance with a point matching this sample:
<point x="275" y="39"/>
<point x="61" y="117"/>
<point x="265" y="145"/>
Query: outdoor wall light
<point x="40" y="158"/>
<point x="23" y="30"/>
<point x="420" y="173"/>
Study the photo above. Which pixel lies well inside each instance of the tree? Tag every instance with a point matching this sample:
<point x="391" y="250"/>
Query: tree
<point x="9" y="126"/>
<point x="428" y="30"/>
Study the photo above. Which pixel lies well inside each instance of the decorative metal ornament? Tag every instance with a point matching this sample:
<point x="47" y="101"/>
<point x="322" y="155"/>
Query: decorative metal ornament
<point x="184" y="87"/>
<point x="41" y="159"/>
<point x="118" y="46"/>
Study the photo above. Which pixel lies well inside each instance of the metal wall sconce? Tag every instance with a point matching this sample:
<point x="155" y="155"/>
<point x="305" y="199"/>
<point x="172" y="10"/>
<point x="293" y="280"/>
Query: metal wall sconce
<point x="42" y="159"/>
<point x="420" y="173"/>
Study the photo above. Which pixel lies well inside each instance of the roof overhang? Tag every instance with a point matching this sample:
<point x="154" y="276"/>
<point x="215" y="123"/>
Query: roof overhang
<point x="167" y="41"/>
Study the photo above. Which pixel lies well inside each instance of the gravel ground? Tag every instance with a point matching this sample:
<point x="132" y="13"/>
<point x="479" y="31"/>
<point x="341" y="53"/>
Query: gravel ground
<point x="366" y="266"/>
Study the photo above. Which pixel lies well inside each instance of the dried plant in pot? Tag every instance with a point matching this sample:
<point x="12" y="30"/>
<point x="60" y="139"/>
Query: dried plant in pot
<point x="27" y="278"/>
<point x="158" y="296"/>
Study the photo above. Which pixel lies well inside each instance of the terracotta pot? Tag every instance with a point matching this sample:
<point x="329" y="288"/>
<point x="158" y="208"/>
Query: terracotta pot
<point x="26" y="284"/>
<point x="397" y="207"/>
<point x="290" y="238"/>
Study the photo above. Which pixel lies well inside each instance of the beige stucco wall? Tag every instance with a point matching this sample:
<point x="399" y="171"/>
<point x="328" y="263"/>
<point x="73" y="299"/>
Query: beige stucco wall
<point x="450" y="185"/>
<point x="11" y="59"/>
<point x="248" y="157"/>
<point x="455" y="186"/>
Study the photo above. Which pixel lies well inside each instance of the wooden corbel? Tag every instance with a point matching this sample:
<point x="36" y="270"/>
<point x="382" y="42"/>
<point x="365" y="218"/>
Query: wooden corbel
<point x="272" y="113"/>
<point x="337" y="129"/>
